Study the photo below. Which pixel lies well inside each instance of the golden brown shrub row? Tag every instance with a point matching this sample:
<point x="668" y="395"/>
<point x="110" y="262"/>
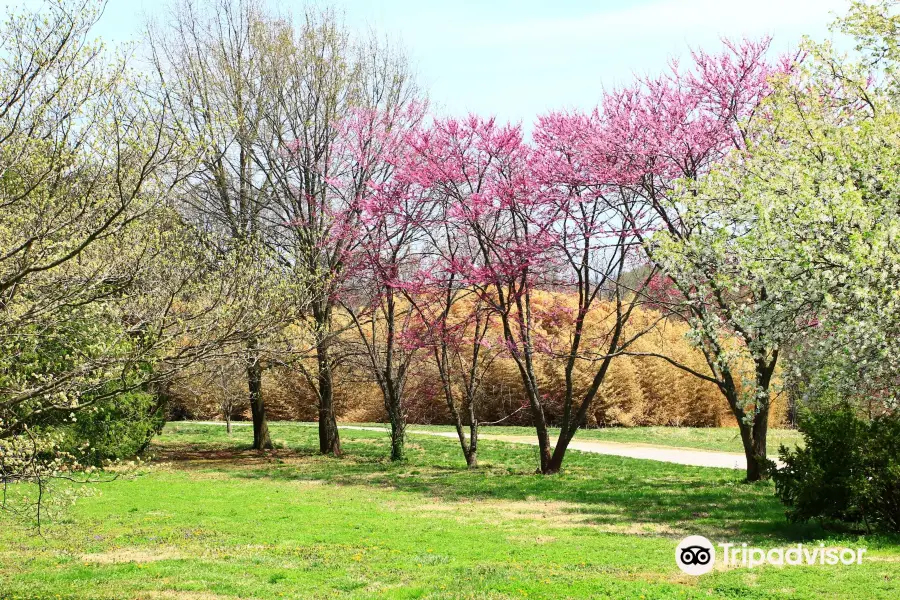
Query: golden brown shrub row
<point x="638" y="390"/>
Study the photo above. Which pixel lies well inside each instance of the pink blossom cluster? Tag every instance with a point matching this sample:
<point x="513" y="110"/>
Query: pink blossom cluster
<point x="451" y="208"/>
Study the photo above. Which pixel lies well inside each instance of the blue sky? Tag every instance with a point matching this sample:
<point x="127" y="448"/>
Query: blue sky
<point x="516" y="59"/>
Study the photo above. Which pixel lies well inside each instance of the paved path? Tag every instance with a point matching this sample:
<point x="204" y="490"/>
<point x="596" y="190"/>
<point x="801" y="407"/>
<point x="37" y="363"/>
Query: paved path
<point x="681" y="456"/>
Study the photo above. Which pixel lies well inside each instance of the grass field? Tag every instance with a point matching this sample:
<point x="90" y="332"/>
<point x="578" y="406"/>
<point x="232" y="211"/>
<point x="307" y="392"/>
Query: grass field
<point x="211" y="520"/>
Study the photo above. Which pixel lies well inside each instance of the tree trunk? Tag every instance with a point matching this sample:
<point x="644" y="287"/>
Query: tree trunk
<point x="525" y="366"/>
<point x="469" y="448"/>
<point x="228" y="424"/>
<point x="746" y="431"/>
<point x="261" y="439"/>
<point x="398" y="435"/>
<point x="394" y="408"/>
<point x="472" y="454"/>
<point x="571" y="422"/>
<point x="329" y="437"/>
<point x="529" y="380"/>
<point x="543" y="440"/>
<point x="759" y="433"/>
<point x="753" y="431"/>
<point x="753" y="437"/>
<point x="472" y="459"/>
<point x="540" y="422"/>
<point x="559" y="452"/>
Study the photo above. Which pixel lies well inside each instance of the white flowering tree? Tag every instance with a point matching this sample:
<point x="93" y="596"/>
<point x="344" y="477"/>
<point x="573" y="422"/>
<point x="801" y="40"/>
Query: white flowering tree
<point x="793" y="238"/>
<point x="851" y="141"/>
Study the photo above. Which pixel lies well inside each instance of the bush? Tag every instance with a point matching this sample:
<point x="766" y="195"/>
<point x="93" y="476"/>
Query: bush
<point x="117" y="429"/>
<point x="103" y="415"/>
<point x="848" y="471"/>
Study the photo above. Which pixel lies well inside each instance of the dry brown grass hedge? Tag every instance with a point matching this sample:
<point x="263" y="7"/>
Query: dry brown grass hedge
<point x="638" y="391"/>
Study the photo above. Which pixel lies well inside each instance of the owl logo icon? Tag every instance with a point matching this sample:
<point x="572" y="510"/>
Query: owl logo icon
<point x="695" y="555"/>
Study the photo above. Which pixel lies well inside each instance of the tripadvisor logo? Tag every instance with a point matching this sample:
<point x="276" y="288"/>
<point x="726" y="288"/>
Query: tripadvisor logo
<point x="696" y="555"/>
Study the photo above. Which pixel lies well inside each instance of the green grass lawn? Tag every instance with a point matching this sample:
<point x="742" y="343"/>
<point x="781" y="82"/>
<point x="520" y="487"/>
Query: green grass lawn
<point x="722" y="439"/>
<point x="212" y="520"/>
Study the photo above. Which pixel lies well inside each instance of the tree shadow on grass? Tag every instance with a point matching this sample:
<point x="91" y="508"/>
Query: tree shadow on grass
<point x="611" y="492"/>
<point x="205" y="456"/>
<point x="616" y="493"/>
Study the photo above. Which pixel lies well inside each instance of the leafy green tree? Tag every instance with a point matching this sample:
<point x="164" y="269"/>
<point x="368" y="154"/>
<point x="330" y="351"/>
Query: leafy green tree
<point x="105" y="291"/>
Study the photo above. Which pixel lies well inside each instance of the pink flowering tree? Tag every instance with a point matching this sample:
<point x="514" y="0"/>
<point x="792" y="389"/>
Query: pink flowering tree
<point x="479" y="170"/>
<point x="454" y="327"/>
<point x="330" y="151"/>
<point x="593" y="245"/>
<point x="532" y="228"/>
<point x="455" y="319"/>
<point x="393" y="218"/>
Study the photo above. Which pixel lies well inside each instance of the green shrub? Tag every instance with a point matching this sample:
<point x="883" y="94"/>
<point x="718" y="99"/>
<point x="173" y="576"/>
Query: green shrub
<point x="848" y="471"/>
<point x="118" y="428"/>
<point x="103" y="414"/>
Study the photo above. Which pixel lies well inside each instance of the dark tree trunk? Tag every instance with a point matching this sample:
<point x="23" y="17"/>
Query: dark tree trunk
<point x="555" y="463"/>
<point x="261" y="439"/>
<point x="525" y="365"/>
<point x="753" y="470"/>
<point x="753" y="430"/>
<point x="566" y="435"/>
<point x="472" y="454"/>
<point x="329" y="438"/>
<point x="537" y="412"/>
<point x="529" y="380"/>
<point x="393" y="380"/>
<point x="543" y="436"/>
<point x="754" y="441"/>
<point x="398" y="429"/>
<point x="559" y="452"/>
<point x="760" y="430"/>
<point x="753" y="438"/>
<point x="758" y="446"/>
<point x="571" y="422"/>
<point x="472" y="459"/>
<point x="470" y="447"/>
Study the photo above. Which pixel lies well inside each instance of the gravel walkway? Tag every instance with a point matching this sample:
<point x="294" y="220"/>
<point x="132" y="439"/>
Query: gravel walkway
<point x="681" y="456"/>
